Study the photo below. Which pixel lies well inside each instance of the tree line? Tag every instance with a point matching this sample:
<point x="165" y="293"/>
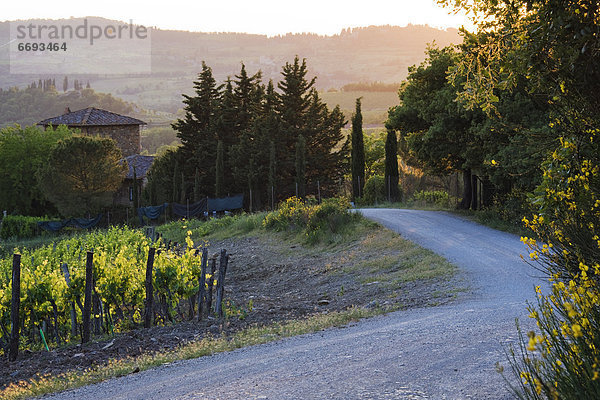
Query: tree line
<point x="499" y="151"/>
<point x="516" y="106"/>
<point x="244" y="136"/>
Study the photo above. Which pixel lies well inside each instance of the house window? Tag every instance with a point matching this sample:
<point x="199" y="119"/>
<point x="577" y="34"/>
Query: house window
<point x="130" y="193"/>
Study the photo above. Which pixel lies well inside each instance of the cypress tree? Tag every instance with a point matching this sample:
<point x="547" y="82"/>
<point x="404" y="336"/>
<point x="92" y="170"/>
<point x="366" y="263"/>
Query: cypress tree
<point x="391" y="165"/>
<point x="358" y="153"/>
<point x="272" y="167"/>
<point x="183" y="196"/>
<point x="251" y="182"/>
<point x="301" y="166"/>
<point x="196" y="185"/>
<point x="220" y="170"/>
<point x="175" y="182"/>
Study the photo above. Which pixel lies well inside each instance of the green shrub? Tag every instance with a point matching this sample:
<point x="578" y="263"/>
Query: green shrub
<point x="20" y="227"/>
<point x="291" y="213"/>
<point x="329" y="216"/>
<point x="313" y="220"/>
<point x="226" y="226"/>
<point x="374" y="190"/>
<point x="437" y="197"/>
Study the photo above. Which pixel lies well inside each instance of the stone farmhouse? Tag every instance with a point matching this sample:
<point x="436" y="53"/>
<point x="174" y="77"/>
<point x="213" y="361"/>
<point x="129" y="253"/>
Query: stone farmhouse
<point x="124" y="130"/>
<point x="96" y="122"/>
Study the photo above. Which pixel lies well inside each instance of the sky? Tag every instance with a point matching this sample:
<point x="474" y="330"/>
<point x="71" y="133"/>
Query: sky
<point x="270" y="17"/>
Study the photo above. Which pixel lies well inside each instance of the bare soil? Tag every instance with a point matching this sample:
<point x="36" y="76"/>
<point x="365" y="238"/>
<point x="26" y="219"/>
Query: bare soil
<point x="269" y="279"/>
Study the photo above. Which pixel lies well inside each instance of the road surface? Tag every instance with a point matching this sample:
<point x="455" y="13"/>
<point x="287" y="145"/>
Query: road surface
<point x="446" y="352"/>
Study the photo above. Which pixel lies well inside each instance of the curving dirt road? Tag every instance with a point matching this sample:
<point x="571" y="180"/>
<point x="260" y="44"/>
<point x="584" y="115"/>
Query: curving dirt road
<point x="446" y="352"/>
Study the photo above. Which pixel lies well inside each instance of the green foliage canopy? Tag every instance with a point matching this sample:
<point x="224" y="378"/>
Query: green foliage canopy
<point x="82" y="174"/>
<point x="24" y="151"/>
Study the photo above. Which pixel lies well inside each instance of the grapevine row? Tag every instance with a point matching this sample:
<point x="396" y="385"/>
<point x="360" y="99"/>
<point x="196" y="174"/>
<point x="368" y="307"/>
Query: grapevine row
<point x="53" y="284"/>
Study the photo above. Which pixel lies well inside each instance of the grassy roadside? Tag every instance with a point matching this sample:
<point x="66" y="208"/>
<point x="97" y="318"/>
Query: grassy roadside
<point x="490" y="219"/>
<point x="487" y="217"/>
<point x="377" y="259"/>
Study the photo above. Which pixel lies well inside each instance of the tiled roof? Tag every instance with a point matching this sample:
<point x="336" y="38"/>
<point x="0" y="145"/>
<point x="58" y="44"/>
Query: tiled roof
<point x="141" y="163"/>
<point x="91" y="117"/>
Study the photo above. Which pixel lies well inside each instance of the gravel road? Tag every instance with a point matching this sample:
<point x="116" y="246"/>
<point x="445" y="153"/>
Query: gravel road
<point x="446" y="352"/>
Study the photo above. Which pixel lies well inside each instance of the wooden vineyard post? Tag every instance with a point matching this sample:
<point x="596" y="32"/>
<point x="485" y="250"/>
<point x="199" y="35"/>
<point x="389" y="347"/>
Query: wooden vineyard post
<point x="211" y="280"/>
<point x="202" y="284"/>
<point x="87" y="301"/>
<point x="14" y="309"/>
<point x="221" y="283"/>
<point x="96" y="310"/>
<point x="149" y="296"/>
<point x="65" y="270"/>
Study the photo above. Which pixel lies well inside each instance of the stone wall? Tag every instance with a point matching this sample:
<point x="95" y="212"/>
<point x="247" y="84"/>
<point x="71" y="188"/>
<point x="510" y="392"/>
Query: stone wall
<point x="127" y="137"/>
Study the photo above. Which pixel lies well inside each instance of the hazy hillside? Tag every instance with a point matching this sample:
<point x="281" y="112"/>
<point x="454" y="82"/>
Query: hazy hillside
<point x="381" y="53"/>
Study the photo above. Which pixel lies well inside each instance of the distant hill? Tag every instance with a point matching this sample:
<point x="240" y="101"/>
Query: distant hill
<point x="31" y="105"/>
<point x="374" y="53"/>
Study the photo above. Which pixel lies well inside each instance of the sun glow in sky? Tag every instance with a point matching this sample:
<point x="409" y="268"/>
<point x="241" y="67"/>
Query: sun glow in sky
<point x="270" y="17"/>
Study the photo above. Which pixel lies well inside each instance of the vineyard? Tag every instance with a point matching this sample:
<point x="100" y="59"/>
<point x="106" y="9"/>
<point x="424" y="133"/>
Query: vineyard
<point x="53" y="282"/>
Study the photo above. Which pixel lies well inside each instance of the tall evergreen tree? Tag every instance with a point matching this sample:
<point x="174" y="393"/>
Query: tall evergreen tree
<point x="272" y="169"/>
<point x="301" y="166"/>
<point x="197" y="129"/>
<point x="293" y="102"/>
<point x="251" y="176"/>
<point x="247" y="97"/>
<point x="197" y="194"/>
<point x="358" y="153"/>
<point x="175" y="182"/>
<point x="249" y="134"/>
<point x="391" y="166"/>
<point x="183" y="187"/>
<point x="220" y="169"/>
<point x="269" y="126"/>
